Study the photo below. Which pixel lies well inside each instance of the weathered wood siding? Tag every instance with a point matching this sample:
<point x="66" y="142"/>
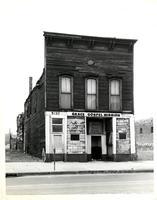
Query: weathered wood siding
<point x="73" y="59"/>
<point x="34" y="125"/>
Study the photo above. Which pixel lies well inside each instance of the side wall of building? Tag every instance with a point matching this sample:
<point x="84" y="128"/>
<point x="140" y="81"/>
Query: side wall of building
<point x="34" y="125"/>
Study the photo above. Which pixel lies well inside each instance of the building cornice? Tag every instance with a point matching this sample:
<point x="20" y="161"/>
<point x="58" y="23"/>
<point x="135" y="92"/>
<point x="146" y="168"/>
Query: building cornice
<point x="90" y="39"/>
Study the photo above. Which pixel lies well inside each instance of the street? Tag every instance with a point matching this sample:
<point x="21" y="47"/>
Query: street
<point x="80" y="184"/>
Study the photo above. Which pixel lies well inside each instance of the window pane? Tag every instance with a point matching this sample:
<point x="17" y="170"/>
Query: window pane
<point x="115" y="87"/>
<point x="74" y="137"/>
<point x="57" y="121"/>
<point x="122" y="135"/>
<point x="58" y="141"/>
<point x="115" y="103"/>
<point x="91" y="86"/>
<point x="91" y="101"/>
<point x="57" y="128"/>
<point x="65" y="85"/>
<point x="65" y="100"/>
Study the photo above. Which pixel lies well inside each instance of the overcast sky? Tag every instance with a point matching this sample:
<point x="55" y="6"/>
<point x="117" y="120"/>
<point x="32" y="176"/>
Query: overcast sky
<point x="22" y="24"/>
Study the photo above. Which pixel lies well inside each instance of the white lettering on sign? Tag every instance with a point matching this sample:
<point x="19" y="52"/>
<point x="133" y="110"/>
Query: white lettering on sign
<point x="78" y="114"/>
<point x="96" y="114"/>
<point x="87" y="114"/>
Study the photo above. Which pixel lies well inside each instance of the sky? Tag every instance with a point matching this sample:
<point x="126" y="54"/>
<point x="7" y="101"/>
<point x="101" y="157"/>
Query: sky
<point x="22" y="23"/>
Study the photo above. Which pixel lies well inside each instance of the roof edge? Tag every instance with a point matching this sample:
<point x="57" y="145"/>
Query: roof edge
<point x="85" y="37"/>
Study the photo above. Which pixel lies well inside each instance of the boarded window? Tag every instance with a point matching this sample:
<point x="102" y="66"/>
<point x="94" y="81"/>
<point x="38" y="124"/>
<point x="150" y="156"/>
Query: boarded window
<point x="58" y="142"/>
<point x="65" y="92"/>
<point x="57" y="125"/>
<point x="115" y="95"/>
<point x="91" y="96"/>
<point x="74" y="137"/>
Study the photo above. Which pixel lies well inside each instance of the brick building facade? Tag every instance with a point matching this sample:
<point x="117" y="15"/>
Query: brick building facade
<point x="144" y="139"/>
<point x="82" y="106"/>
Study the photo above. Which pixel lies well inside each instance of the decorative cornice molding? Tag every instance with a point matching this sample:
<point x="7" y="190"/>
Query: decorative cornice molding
<point x="91" y="40"/>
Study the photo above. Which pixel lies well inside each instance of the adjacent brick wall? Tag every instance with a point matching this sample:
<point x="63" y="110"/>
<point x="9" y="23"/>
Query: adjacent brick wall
<point x="144" y="139"/>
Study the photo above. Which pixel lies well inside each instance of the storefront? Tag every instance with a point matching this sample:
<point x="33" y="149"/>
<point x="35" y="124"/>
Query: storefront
<point x="87" y="136"/>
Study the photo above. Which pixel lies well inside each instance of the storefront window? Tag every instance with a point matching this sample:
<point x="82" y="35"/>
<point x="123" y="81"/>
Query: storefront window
<point x="57" y="125"/>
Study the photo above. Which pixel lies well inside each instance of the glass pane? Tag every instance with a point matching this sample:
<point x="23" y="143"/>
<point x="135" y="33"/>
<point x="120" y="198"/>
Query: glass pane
<point x="57" y="121"/>
<point x="115" y="103"/>
<point x="91" y="86"/>
<point x="74" y="137"/>
<point x="122" y="135"/>
<point x="58" y="141"/>
<point x="57" y="128"/>
<point x="91" y="101"/>
<point x="115" y="87"/>
<point x="65" y="100"/>
<point x="65" y="85"/>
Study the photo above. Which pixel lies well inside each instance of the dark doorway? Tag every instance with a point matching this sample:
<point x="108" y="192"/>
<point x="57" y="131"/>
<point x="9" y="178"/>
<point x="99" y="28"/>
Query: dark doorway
<point x="96" y="148"/>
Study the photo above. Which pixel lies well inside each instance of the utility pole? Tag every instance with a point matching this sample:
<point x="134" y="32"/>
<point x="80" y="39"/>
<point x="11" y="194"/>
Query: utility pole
<point x="10" y="137"/>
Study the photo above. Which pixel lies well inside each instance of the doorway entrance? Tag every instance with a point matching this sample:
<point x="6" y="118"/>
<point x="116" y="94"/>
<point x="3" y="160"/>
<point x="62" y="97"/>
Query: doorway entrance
<point x="96" y="147"/>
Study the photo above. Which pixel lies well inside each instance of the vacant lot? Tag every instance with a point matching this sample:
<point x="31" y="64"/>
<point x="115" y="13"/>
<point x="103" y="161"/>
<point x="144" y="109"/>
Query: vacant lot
<point x="18" y="156"/>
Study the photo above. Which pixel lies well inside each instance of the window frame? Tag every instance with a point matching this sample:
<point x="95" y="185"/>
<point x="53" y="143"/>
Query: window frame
<point x="71" y="91"/>
<point x="54" y="124"/>
<point x="120" y="93"/>
<point x="86" y="85"/>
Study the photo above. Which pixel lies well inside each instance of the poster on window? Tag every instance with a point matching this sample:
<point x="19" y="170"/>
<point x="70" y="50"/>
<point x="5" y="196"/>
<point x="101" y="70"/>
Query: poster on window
<point x="123" y="135"/>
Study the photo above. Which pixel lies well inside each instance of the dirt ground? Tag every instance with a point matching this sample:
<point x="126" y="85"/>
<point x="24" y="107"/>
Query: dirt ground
<point x="18" y="156"/>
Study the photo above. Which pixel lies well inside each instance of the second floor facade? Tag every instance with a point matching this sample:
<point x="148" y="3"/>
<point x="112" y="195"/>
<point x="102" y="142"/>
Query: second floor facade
<point x="84" y="73"/>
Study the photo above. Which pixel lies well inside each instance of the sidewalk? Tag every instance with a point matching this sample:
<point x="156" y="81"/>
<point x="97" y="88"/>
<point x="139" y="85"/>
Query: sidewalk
<point x="36" y="168"/>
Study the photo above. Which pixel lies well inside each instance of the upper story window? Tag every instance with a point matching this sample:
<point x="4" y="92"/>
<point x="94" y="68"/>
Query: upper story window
<point x="65" y="92"/>
<point x="151" y="129"/>
<point x="115" y="95"/>
<point x="91" y="93"/>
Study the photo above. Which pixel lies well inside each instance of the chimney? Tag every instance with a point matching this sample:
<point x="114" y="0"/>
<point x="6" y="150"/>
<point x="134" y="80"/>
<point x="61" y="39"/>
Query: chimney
<point x="30" y="84"/>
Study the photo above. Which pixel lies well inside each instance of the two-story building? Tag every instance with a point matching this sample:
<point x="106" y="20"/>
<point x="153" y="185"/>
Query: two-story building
<point x="82" y="107"/>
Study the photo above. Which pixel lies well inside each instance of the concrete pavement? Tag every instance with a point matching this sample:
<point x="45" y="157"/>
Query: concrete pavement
<point x="81" y="184"/>
<point x="35" y="168"/>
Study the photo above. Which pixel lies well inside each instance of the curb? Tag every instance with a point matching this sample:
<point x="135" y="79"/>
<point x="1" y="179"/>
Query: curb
<point x="80" y="172"/>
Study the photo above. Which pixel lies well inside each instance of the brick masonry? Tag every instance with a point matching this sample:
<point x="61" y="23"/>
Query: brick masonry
<point x="144" y="139"/>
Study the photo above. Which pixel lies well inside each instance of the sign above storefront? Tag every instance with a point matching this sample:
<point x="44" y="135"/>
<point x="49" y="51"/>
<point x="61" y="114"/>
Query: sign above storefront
<point x="88" y="114"/>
